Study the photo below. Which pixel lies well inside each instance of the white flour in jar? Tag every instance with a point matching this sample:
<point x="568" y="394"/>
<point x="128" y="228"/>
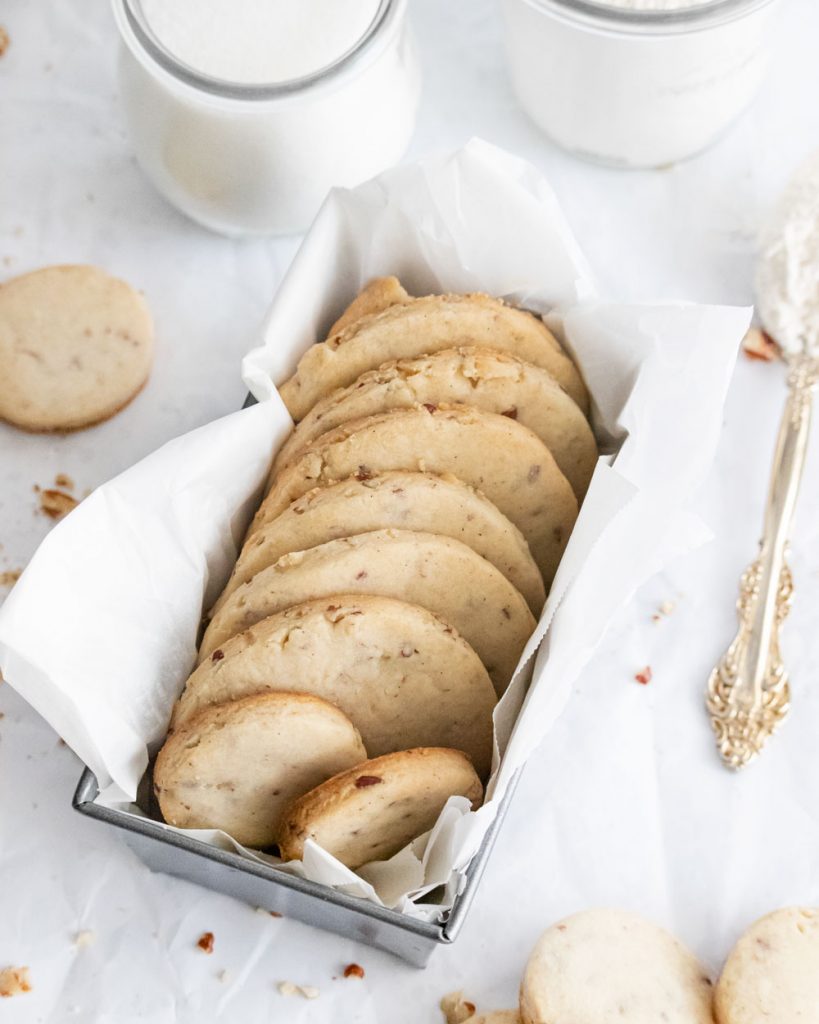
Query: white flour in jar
<point x="636" y="91"/>
<point x="788" y="271"/>
<point x="258" y="41"/>
<point x="653" y="5"/>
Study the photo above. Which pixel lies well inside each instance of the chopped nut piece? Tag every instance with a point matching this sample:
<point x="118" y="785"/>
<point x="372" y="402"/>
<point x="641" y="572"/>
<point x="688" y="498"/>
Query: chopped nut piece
<point x="56" y="504"/>
<point x="758" y="345"/>
<point x="217" y="655"/>
<point x="644" y="676"/>
<point x="14" y="981"/>
<point x="456" y="1009"/>
<point x="353" y="971"/>
<point x="205" y="942"/>
<point x="367" y="780"/>
<point x="84" y="939"/>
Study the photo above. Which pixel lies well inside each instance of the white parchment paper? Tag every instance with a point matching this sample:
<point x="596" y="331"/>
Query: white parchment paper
<point x="99" y="633"/>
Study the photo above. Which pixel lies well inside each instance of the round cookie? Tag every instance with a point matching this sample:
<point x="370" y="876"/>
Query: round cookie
<point x="403" y="677"/>
<point x="493" y="381"/>
<point x="236" y="766"/>
<point x="378" y="295"/>
<point x="375" y="809"/>
<point x="494" y="454"/>
<point x="438" y="573"/>
<point x="419" y="327"/>
<point x="611" y="967"/>
<point x="75" y="347"/>
<point x="772" y="974"/>
<point x="406" y="501"/>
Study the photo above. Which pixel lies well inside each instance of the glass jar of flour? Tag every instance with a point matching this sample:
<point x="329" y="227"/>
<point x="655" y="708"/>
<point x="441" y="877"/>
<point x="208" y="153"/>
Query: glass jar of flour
<point x="636" y="83"/>
<point x="243" y="113"/>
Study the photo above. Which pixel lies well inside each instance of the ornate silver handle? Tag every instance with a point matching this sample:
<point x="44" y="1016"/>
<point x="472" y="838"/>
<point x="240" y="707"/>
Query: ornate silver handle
<point x="748" y="694"/>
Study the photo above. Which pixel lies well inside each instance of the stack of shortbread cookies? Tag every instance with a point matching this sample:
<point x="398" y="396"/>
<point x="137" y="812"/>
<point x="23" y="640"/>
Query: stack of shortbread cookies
<point x="412" y="525"/>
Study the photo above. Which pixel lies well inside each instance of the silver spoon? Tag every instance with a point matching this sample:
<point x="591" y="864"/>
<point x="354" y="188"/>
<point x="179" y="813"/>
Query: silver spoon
<point x="748" y="692"/>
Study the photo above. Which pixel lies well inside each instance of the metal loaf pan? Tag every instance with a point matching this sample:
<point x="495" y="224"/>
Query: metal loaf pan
<point x="262" y="885"/>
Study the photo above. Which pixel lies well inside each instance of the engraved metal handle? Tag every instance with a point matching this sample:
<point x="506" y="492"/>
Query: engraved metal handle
<point x="748" y="694"/>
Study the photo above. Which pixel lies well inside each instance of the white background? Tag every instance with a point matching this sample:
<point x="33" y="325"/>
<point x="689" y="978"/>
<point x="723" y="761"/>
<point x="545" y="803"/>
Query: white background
<point x="607" y="826"/>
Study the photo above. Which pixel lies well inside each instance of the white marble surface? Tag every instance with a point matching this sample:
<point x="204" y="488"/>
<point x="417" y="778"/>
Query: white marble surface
<point x="593" y="822"/>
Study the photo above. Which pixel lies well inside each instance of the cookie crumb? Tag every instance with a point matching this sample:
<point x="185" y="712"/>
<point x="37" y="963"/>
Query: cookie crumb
<point x="64" y="480"/>
<point x="456" y="1009"/>
<point x="5" y="39"/>
<point x="644" y="676"/>
<point x="267" y="913"/>
<point x="757" y="344"/>
<point x="223" y="976"/>
<point x="667" y="607"/>
<point x="84" y="939"/>
<point x="287" y="988"/>
<point x="56" y="504"/>
<point x="10" y="577"/>
<point x="14" y="981"/>
<point x="353" y="971"/>
<point x="205" y="942"/>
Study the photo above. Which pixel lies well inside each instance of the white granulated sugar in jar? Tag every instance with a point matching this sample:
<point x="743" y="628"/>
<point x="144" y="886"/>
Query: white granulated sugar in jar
<point x="787" y="281"/>
<point x="258" y="41"/>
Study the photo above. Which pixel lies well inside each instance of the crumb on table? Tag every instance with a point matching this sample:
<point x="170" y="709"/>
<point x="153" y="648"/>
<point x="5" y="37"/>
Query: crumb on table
<point x="205" y="942"/>
<point x="14" y="981"/>
<point x="56" y="504"/>
<point x="456" y="1009"/>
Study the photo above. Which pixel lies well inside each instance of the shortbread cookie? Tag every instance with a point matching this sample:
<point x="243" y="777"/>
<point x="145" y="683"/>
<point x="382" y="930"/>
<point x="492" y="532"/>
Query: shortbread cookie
<point x="236" y="766"/>
<point x="438" y="573"/>
<point x="75" y="347"/>
<point x="406" y="501"/>
<point x="372" y="811"/>
<point x="611" y="967"/>
<point x="496" y="1017"/>
<point x="494" y="381"/>
<point x="411" y="329"/>
<point x="402" y="676"/>
<point x="772" y="974"/>
<point x="378" y="295"/>
<point x="497" y="456"/>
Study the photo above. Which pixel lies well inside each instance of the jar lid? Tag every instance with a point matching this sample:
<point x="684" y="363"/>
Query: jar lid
<point x="199" y="57"/>
<point x="691" y="16"/>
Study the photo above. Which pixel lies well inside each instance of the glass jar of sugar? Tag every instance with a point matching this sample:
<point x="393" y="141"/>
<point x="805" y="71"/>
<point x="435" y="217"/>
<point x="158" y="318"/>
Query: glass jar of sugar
<point x="243" y="113"/>
<point x="636" y="83"/>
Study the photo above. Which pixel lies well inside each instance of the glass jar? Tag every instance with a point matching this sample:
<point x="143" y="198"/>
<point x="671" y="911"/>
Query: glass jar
<point x="636" y="88"/>
<point x="247" y="159"/>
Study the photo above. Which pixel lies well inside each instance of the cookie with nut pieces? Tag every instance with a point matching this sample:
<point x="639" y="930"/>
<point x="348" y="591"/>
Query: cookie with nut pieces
<point x="374" y="810"/>
<point x="503" y="459"/>
<point x="406" y="330"/>
<point x="772" y="973"/>
<point x="403" y="676"/>
<point x="613" y="967"/>
<point x="236" y="766"/>
<point x="76" y="345"/>
<point x="438" y="573"/>
<point x="401" y="500"/>
<point x="493" y="381"/>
